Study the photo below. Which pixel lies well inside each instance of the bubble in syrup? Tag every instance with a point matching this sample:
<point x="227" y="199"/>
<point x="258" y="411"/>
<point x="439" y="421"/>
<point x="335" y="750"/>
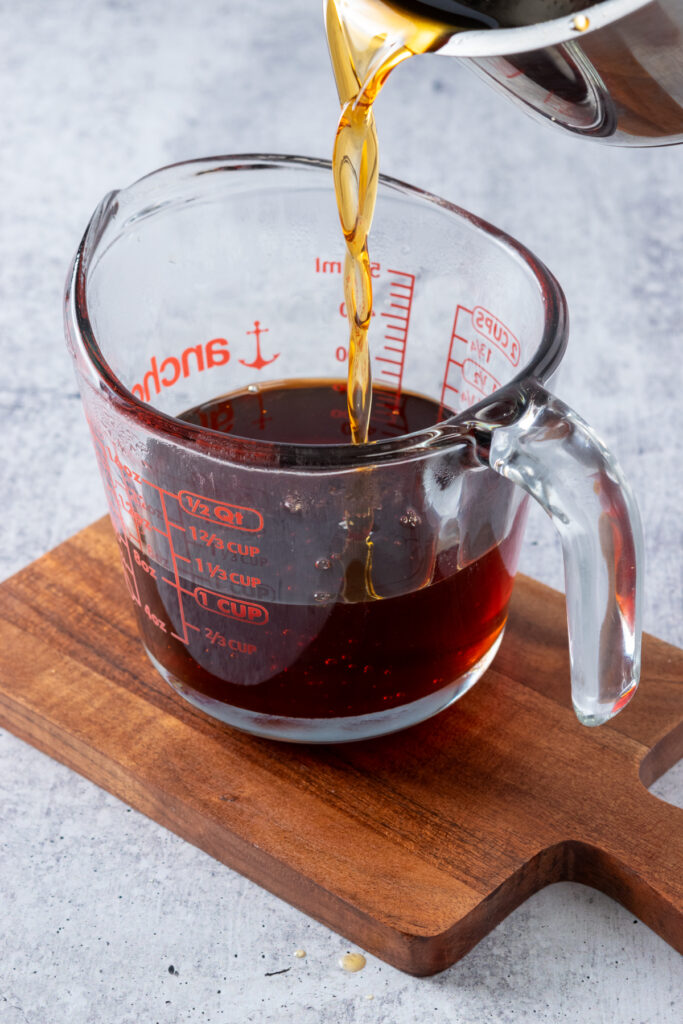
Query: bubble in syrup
<point x="352" y="962"/>
<point x="323" y="564"/>
<point x="410" y="518"/>
<point x="294" y="503"/>
<point x="322" y="597"/>
<point x="581" y="23"/>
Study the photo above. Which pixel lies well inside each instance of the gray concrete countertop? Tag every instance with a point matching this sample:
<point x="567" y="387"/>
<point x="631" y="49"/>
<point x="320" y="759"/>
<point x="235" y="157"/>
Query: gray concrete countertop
<point x="97" y="901"/>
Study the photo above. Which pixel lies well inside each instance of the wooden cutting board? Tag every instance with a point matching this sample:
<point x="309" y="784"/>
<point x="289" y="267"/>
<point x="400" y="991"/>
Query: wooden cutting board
<point x="413" y="846"/>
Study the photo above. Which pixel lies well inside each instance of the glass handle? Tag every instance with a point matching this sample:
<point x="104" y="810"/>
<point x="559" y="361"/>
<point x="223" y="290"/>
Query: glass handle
<point x="536" y="441"/>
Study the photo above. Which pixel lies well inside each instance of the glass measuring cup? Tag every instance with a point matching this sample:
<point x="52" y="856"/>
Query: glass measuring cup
<point x="329" y="592"/>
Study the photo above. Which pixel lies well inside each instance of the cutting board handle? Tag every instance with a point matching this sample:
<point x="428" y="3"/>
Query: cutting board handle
<point x="640" y="863"/>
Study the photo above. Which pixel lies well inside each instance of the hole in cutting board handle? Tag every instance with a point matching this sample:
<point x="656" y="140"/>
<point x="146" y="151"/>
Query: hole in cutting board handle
<point x="669" y="786"/>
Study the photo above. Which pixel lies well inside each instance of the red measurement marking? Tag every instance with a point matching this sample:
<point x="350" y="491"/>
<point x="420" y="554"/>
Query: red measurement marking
<point x="129" y="577"/>
<point x="238" y="517"/>
<point x="224" y="514"/>
<point x="453" y="371"/>
<point x="151" y="526"/>
<point x="235" y="547"/>
<point x="402" y="286"/>
<point x="327" y="266"/>
<point x="336" y="267"/>
<point x="394" y="362"/>
<point x="103" y="459"/>
<point x="388" y="413"/>
<point x="478" y="377"/>
<point x="135" y="518"/>
<point x="214" y="637"/>
<point x="241" y="646"/>
<point x="144" y="564"/>
<point x="231" y="607"/>
<point x="259" y="362"/>
<point x="497" y="333"/>
<point x="216" y="571"/>
<point x="176" y="586"/>
<point x="155" y="620"/>
<point x="184" y="637"/>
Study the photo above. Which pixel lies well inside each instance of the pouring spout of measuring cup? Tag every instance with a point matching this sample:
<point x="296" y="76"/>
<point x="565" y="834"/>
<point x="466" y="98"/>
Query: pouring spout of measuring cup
<point x="536" y="441"/>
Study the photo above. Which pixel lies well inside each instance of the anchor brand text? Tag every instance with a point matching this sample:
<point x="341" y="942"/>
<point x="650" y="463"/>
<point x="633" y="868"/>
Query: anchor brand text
<point x="166" y="371"/>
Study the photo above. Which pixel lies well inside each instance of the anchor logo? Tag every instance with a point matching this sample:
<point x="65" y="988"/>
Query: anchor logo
<point x="259" y="362"/>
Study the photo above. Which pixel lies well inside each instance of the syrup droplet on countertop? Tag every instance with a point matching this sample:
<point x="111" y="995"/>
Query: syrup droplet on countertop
<point x="352" y="962"/>
<point x="299" y="953"/>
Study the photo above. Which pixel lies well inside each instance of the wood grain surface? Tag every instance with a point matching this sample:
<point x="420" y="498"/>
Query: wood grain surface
<point x="413" y="846"/>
